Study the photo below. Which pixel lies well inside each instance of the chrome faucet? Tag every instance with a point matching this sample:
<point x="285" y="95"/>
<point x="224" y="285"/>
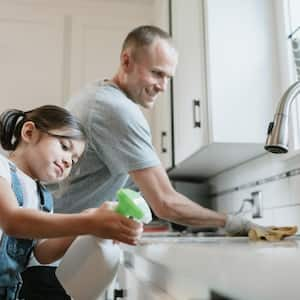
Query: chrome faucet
<point x="277" y="140"/>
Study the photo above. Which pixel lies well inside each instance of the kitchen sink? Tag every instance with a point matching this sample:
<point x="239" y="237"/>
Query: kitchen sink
<point x="177" y="237"/>
<point x="182" y="234"/>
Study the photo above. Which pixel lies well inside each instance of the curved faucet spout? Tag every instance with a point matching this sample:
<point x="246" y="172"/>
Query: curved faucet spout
<point x="277" y="140"/>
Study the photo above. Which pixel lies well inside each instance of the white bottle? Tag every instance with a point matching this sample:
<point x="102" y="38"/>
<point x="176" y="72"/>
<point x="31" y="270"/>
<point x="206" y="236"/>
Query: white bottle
<point x="88" y="267"/>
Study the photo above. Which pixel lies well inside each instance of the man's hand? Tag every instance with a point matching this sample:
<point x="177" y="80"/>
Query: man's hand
<point x="238" y="226"/>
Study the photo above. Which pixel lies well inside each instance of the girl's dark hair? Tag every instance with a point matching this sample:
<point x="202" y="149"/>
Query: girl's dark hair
<point x="45" y="118"/>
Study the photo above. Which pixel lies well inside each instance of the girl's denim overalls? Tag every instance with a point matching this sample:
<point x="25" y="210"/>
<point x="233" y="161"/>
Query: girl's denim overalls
<point x="15" y="252"/>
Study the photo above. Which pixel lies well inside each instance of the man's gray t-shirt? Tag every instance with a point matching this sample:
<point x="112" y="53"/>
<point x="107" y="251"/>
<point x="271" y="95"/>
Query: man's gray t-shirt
<point x="119" y="141"/>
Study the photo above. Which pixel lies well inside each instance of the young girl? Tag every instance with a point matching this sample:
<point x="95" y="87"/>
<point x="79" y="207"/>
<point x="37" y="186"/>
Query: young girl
<point x="44" y="144"/>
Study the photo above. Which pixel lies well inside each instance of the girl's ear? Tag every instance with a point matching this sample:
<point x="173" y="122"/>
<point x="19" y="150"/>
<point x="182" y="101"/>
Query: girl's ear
<point x="28" y="132"/>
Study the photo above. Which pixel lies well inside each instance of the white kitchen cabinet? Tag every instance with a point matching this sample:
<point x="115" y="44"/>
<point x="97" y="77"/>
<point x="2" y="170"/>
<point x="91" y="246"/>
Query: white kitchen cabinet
<point x="96" y="41"/>
<point x="189" y="95"/>
<point x="50" y="49"/>
<point x="133" y="286"/>
<point x="95" y="45"/>
<point x="161" y="113"/>
<point x="225" y="84"/>
<point x="31" y="57"/>
<point x="161" y="129"/>
<point x="189" y="267"/>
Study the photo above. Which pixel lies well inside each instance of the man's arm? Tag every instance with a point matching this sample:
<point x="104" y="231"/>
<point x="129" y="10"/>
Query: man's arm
<point x="168" y="204"/>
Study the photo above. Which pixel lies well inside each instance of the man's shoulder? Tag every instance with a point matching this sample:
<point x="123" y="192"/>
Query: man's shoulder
<point x="115" y="102"/>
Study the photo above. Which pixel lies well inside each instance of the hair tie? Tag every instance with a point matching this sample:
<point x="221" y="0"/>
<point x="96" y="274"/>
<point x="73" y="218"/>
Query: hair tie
<point x="19" y="122"/>
<point x="20" y="118"/>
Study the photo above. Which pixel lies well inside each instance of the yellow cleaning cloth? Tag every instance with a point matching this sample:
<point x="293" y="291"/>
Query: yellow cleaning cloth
<point x="271" y="234"/>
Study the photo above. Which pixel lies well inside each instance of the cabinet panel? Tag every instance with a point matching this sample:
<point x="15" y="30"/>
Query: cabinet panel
<point x="136" y="289"/>
<point x="161" y="120"/>
<point x="161" y="129"/>
<point x="95" y="50"/>
<point x="95" y="44"/>
<point x="31" y="60"/>
<point x="229" y="65"/>
<point x="189" y="100"/>
<point x="243" y="69"/>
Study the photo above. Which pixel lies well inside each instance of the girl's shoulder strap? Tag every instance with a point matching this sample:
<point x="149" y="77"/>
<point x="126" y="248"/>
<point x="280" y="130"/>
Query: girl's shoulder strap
<point x="46" y="200"/>
<point x="16" y="184"/>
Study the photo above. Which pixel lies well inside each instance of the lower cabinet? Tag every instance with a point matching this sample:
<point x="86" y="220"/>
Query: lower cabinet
<point x="131" y="287"/>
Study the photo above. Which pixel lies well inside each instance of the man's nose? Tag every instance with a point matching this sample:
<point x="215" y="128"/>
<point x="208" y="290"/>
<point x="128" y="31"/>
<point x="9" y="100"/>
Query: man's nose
<point x="162" y="84"/>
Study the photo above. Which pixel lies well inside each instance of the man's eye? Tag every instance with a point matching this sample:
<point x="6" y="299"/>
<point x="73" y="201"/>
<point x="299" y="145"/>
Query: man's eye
<point x="157" y="73"/>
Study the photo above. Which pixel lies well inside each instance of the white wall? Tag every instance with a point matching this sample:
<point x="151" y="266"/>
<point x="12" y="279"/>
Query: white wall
<point x="268" y="173"/>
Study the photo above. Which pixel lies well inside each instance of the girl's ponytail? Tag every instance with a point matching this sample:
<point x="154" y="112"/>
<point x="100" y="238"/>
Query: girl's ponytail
<point x="45" y="118"/>
<point x="11" y="122"/>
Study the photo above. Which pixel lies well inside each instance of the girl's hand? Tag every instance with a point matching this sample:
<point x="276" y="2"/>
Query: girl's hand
<point x="108" y="224"/>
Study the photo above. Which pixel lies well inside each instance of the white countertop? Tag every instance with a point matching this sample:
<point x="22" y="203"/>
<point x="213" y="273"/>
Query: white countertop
<point x="189" y="267"/>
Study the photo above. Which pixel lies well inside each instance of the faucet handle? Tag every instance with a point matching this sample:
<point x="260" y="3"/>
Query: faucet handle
<point x="257" y="204"/>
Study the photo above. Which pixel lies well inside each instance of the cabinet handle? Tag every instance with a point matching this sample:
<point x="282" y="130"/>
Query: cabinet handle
<point x="119" y="293"/>
<point x="196" y="113"/>
<point x="162" y="138"/>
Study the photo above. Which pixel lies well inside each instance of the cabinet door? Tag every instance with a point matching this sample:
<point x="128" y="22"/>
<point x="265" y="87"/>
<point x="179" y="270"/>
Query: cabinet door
<point x="189" y="97"/>
<point x="243" y="73"/>
<point x="31" y="60"/>
<point x="95" y="50"/>
<point x="161" y="129"/>
<point x="96" y="44"/>
<point x="161" y="117"/>
<point x="136" y="289"/>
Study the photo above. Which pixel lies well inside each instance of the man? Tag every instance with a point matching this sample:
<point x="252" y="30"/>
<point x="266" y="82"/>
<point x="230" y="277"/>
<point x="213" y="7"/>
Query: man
<point x="119" y="136"/>
<point x="120" y="145"/>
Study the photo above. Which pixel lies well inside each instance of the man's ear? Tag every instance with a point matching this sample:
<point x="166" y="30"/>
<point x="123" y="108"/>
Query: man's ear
<point x="28" y="132"/>
<point x="126" y="61"/>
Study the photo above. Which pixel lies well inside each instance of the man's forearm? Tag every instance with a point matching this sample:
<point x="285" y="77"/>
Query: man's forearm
<point x="180" y="209"/>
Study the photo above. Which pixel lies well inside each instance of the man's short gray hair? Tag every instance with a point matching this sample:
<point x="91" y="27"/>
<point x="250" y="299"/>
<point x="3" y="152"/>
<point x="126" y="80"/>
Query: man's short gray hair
<point x="144" y="36"/>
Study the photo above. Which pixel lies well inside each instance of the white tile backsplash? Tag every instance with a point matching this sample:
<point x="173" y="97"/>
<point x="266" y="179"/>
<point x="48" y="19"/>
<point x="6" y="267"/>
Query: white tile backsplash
<point x="294" y="188"/>
<point x="275" y="193"/>
<point x="287" y="216"/>
<point x="281" y="198"/>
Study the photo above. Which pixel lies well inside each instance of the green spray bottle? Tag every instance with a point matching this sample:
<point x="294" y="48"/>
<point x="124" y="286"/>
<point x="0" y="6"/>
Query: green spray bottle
<point x="131" y="204"/>
<point x="90" y="255"/>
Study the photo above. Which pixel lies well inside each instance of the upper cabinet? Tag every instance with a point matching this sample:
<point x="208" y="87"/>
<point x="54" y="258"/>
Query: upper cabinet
<point x="225" y="84"/>
<point x="161" y="114"/>
<point x="51" y="49"/>
<point x="32" y="57"/>
<point x="189" y="89"/>
<point x="223" y="91"/>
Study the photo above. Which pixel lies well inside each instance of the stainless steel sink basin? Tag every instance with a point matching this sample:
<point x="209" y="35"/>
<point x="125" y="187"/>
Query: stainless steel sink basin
<point x="180" y="234"/>
<point x="177" y="237"/>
